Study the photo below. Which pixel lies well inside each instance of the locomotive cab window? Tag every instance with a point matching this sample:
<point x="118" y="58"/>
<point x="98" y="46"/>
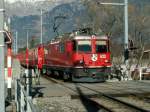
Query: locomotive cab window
<point x="101" y="47"/>
<point x="84" y="46"/>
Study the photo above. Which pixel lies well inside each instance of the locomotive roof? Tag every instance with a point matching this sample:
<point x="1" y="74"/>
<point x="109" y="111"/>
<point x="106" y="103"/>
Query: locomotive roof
<point x="77" y="37"/>
<point x="85" y="33"/>
<point x="89" y="37"/>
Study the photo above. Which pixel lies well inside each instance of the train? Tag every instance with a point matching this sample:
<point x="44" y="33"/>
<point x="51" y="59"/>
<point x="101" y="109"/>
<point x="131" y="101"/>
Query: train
<point x="80" y="56"/>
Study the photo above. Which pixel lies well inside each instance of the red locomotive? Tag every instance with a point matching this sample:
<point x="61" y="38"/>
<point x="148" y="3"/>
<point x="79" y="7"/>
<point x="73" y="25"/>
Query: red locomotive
<point x="79" y="56"/>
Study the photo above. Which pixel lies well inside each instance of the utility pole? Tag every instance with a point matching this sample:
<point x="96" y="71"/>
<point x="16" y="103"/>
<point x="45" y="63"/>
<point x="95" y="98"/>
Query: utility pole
<point x="28" y="77"/>
<point x="27" y="62"/>
<point x="41" y="26"/>
<point x="126" y="22"/>
<point x="27" y="38"/>
<point x="27" y="29"/>
<point x="126" y="49"/>
<point x="16" y="42"/>
<point x="2" y="75"/>
<point x="125" y="4"/>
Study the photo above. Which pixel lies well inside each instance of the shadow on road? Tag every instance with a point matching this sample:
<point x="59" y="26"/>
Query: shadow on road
<point x="90" y="105"/>
<point x="36" y="92"/>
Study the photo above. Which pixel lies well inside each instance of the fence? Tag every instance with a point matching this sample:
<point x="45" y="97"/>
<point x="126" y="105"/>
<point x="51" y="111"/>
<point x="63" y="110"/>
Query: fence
<point x="142" y="72"/>
<point x="23" y="102"/>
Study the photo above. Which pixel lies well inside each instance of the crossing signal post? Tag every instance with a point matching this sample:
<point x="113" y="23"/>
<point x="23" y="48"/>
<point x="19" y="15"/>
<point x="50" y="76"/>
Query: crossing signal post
<point x="2" y="76"/>
<point x="8" y="42"/>
<point x="9" y="69"/>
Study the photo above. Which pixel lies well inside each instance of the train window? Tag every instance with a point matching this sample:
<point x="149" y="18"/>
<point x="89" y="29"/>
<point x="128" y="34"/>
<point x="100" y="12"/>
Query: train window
<point x="101" y="42"/>
<point x="62" y="48"/>
<point x="46" y="51"/>
<point x="74" y="45"/>
<point x="56" y="47"/>
<point x="101" y="47"/>
<point x="35" y="53"/>
<point x="49" y="50"/>
<point x="84" y="46"/>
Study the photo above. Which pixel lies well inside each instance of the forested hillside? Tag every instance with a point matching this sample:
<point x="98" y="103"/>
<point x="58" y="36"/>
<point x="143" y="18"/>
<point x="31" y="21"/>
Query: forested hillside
<point x="64" y="17"/>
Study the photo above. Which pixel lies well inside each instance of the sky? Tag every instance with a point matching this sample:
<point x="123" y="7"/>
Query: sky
<point x="12" y="1"/>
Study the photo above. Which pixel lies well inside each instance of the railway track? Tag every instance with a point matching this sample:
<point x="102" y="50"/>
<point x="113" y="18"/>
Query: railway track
<point x="143" y="98"/>
<point x="127" y="107"/>
<point x="103" y="101"/>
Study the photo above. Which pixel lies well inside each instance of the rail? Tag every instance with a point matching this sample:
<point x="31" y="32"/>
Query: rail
<point x="109" y="97"/>
<point x="117" y="100"/>
<point x="23" y="102"/>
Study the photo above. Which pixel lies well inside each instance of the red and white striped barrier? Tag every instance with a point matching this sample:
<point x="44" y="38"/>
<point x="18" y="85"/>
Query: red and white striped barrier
<point x="9" y="67"/>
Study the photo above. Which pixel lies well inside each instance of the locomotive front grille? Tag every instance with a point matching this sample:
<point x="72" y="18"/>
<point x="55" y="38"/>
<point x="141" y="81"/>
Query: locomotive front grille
<point x="91" y="72"/>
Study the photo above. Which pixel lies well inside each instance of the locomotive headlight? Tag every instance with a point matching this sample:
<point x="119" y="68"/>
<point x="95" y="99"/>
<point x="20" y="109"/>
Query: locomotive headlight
<point x="106" y="61"/>
<point x="81" y="61"/>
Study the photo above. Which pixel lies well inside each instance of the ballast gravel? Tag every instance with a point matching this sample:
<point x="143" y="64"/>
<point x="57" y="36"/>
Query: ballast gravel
<point x="59" y="104"/>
